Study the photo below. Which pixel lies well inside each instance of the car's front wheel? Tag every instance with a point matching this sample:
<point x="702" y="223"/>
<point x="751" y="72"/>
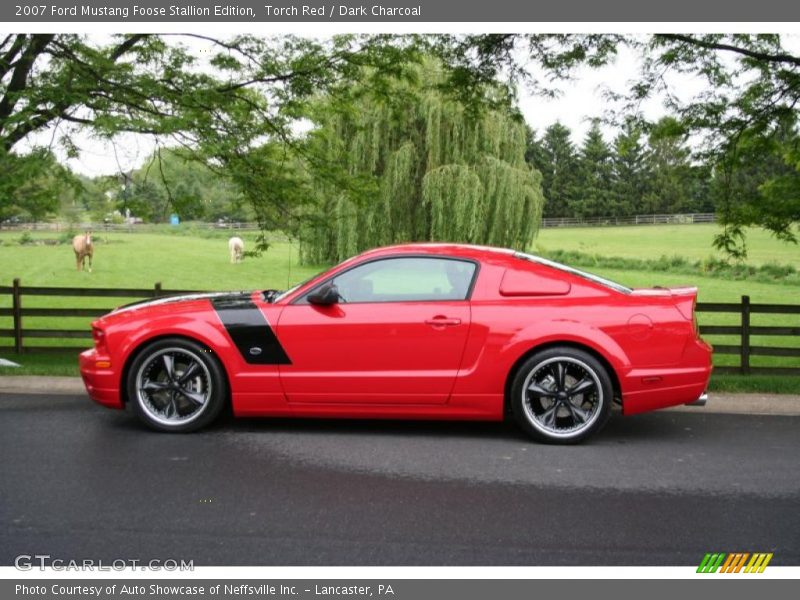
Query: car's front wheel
<point x="176" y="385"/>
<point x="561" y="395"/>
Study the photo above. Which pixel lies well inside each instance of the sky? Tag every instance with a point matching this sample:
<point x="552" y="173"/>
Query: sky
<point x="580" y="101"/>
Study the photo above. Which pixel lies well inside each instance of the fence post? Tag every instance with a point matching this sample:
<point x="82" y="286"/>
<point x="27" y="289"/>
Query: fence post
<point x="745" y="357"/>
<point x="157" y="289"/>
<point x="16" y="309"/>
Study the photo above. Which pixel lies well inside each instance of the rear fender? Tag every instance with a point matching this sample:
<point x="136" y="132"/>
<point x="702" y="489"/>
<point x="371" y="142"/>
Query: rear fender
<point x="570" y="332"/>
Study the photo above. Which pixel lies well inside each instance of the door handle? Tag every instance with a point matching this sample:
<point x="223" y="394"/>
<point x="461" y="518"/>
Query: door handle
<point x="442" y="321"/>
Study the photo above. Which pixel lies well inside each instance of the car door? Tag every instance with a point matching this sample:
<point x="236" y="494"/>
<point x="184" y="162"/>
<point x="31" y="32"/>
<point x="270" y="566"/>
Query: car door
<point x="395" y="336"/>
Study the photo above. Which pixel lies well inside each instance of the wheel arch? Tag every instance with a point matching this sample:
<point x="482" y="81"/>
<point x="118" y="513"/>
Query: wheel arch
<point x="612" y="372"/>
<point x="142" y="344"/>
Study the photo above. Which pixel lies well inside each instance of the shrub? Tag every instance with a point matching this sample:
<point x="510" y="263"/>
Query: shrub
<point x="66" y="237"/>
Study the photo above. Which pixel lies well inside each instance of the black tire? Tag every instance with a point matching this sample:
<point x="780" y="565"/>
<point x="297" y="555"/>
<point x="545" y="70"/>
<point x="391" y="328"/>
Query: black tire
<point x="565" y="411"/>
<point x="176" y="385"/>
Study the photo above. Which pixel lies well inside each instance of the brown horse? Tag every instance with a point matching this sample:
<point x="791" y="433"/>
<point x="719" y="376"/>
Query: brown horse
<point x="83" y="247"/>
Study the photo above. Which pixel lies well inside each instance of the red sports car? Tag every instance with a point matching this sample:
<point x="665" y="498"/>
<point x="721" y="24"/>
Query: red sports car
<point x="418" y="331"/>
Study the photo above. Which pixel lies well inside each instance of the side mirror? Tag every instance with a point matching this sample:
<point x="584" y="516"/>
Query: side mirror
<point x="325" y="295"/>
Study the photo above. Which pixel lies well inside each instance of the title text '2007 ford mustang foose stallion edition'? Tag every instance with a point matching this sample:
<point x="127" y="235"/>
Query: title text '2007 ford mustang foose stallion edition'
<point x="417" y="331"/>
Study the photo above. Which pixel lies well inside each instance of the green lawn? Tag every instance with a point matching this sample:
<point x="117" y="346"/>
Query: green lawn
<point x="140" y="260"/>
<point x="201" y="262"/>
<point x="186" y="262"/>
<point x="61" y="364"/>
<point x="652" y="241"/>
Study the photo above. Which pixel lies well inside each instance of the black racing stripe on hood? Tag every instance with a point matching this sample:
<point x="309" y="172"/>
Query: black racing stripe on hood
<point x="250" y="330"/>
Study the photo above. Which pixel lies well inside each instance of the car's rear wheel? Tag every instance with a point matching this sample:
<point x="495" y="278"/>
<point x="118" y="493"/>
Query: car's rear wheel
<point x="561" y="395"/>
<point x="176" y="385"/>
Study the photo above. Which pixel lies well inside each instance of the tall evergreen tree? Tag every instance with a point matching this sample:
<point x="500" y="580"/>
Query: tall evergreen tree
<point x="534" y="151"/>
<point x="593" y="197"/>
<point x="632" y="176"/>
<point x="674" y="178"/>
<point x="556" y="158"/>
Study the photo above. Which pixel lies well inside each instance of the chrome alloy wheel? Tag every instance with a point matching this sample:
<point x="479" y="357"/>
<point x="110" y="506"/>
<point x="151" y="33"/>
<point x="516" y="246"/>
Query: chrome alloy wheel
<point x="173" y="386"/>
<point x="562" y="397"/>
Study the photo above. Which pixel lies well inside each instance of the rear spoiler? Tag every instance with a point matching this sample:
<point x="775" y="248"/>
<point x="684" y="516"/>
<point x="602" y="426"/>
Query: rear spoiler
<point x="685" y="298"/>
<point x="662" y="291"/>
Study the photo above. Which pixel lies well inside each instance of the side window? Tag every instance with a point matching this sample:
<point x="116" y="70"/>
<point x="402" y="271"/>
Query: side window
<point x="406" y="280"/>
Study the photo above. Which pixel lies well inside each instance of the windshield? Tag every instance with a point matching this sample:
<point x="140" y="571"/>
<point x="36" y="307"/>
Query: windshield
<point x="595" y="278"/>
<point x="283" y="295"/>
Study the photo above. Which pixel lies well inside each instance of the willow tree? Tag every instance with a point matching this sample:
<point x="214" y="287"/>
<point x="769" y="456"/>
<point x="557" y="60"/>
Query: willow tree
<point x="433" y="170"/>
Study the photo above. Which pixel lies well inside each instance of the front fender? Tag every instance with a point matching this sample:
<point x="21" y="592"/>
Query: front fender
<point x="126" y="339"/>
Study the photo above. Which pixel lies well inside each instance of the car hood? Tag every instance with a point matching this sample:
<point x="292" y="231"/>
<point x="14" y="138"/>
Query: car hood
<point x="182" y="299"/>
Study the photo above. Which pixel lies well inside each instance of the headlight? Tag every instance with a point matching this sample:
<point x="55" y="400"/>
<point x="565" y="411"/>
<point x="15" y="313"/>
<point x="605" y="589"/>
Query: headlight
<point x="99" y="337"/>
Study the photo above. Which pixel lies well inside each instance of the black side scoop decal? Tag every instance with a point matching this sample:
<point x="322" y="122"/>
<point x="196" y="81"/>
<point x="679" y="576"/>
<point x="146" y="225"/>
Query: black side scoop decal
<point x="250" y="330"/>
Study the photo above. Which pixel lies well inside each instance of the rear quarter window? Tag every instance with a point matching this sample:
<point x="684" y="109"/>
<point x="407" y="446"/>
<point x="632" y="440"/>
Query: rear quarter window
<point x="607" y="283"/>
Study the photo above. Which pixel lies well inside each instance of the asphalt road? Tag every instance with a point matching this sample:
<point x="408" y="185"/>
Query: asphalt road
<point x="79" y="481"/>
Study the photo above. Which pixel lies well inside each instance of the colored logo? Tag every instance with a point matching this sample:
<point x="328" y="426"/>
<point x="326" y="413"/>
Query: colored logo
<point x="735" y="562"/>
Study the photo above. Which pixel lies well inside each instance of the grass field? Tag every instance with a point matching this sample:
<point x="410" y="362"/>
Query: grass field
<point x="201" y="262"/>
<point x="189" y="262"/>
<point x="652" y="241"/>
<point x="139" y="260"/>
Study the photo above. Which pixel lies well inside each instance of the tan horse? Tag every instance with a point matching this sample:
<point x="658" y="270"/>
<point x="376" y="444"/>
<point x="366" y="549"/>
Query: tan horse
<point x="83" y="247"/>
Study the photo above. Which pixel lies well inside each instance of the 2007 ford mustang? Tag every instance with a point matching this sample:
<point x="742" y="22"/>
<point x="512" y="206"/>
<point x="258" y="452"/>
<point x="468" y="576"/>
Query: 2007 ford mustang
<point x="422" y="331"/>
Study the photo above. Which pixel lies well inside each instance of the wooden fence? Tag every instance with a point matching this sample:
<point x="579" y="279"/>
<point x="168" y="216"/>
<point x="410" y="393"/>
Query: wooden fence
<point x="18" y="312"/>
<point x="745" y="350"/>
<point x="744" y="329"/>
<point x="681" y="219"/>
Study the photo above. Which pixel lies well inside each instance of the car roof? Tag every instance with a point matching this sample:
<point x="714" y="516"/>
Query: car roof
<point x="487" y="254"/>
<point x="441" y="248"/>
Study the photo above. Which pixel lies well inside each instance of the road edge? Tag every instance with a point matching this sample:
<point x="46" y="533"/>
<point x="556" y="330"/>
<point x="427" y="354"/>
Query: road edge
<point x="741" y="404"/>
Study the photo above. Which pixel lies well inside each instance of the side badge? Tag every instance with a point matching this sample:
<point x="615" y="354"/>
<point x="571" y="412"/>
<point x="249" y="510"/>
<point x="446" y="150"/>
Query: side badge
<point x="255" y="351"/>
